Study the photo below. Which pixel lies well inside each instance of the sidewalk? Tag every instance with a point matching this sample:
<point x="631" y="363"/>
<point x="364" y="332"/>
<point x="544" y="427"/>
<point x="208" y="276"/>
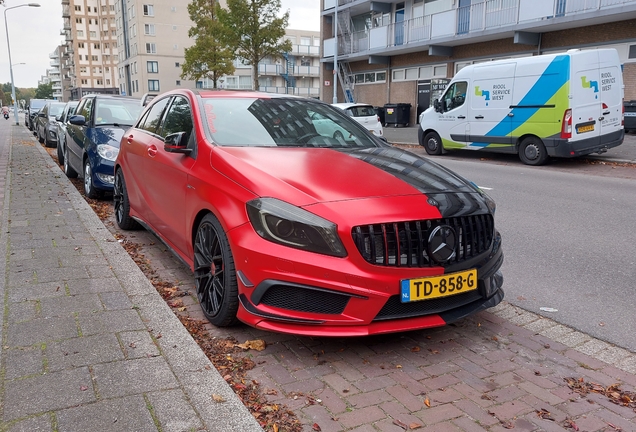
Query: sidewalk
<point x="88" y="344"/>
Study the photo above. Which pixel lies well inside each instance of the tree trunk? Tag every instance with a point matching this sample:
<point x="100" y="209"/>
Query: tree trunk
<point x="255" y="84"/>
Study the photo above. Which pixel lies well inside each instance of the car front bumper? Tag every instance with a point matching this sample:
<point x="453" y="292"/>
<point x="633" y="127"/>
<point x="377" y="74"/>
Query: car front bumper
<point x="292" y="291"/>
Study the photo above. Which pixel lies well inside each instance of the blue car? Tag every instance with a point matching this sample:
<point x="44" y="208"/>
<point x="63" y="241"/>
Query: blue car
<point x="92" y="140"/>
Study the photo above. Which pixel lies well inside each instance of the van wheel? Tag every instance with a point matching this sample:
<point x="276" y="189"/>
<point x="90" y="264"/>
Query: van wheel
<point x="432" y="144"/>
<point x="532" y="151"/>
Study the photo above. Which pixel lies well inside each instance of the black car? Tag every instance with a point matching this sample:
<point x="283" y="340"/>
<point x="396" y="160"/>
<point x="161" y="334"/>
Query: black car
<point x="35" y="105"/>
<point x="46" y="124"/>
<point x="62" y="123"/>
<point x="92" y="139"/>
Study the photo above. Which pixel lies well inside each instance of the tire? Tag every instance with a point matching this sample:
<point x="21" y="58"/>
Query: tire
<point x="89" y="187"/>
<point x="433" y="144"/>
<point x="60" y="153"/>
<point x="70" y="172"/>
<point x="532" y="151"/>
<point x="214" y="273"/>
<point x="40" y="139"/>
<point x="122" y="205"/>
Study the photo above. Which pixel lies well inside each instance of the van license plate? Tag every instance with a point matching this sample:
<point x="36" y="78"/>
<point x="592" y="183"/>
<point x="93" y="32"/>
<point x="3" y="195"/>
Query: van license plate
<point x="586" y="128"/>
<point x="438" y="286"/>
<point x="630" y="114"/>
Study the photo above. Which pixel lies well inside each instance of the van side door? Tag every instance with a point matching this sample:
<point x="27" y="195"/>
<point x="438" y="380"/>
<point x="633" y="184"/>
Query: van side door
<point x="491" y="116"/>
<point x="611" y="93"/>
<point x="453" y="115"/>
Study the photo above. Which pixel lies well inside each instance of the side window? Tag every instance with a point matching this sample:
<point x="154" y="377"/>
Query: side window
<point x="151" y="122"/>
<point x="86" y="109"/>
<point x="455" y="96"/>
<point x="178" y="119"/>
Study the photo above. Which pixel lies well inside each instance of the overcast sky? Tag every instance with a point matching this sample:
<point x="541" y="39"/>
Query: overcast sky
<point x="34" y="33"/>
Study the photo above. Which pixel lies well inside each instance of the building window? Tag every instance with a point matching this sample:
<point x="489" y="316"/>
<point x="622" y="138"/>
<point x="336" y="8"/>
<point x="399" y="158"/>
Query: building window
<point x="176" y="64"/>
<point x="133" y="30"/>
<point x="107" y="82"/>
<point x="151" y="48"/>
<point x="80" y="33"/>
<point x="80" y="45"/>
<point x="78" y="8"/>
<point x="149" y="10"/>
<point x="99" y="82"/>
<point x="93" y="34"/>
<point x="84" y="81"/>
<point x="153" y="66"/>
<point x="78" y="20"/>
<point x="94" y="58"/>
<point x="83" y="69"/>
<point x="96" y="45"/>
<point x="199" y="84"/>
<point x="149" y="29"/>
<point x="178" y="82"/>
<point x="153" y="85"/>
<point x="305" y="40"/>
<point x="305" y="62"/>
<point x="369" y="77"/>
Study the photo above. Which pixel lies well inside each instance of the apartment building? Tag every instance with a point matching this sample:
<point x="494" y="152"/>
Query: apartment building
<point x="90" y="52"/>
<point x="397" y="51"/>
<point x="296" y="72"/>
<point x="152" y="36"/>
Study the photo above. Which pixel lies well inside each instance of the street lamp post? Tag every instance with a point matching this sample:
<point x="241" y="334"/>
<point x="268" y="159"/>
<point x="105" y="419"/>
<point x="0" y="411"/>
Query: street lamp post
<point x="6" y="27"/>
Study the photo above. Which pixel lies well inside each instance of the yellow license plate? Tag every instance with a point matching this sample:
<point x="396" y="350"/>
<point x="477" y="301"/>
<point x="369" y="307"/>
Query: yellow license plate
<point x="438" y="286"/>
<point x="586" y="128"/>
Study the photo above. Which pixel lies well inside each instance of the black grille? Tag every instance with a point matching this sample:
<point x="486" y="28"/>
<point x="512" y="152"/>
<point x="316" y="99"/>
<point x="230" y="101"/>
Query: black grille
<point x="394" y="308"/>
<point x="404" y="244"/>
<point x="305" y="300"/>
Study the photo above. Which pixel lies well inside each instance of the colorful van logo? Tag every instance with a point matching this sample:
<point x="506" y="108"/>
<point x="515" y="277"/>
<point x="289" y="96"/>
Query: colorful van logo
<point x="589" y="84"/>
<point x="484" y="93"/>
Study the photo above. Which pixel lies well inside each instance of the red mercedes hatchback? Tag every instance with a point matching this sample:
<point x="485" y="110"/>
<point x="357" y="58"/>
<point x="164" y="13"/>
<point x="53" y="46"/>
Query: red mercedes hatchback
<point x="294" y="218"/>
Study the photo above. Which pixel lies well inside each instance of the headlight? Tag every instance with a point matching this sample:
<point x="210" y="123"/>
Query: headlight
<point x="107" y="152"/>
<point x="288" y="225"/>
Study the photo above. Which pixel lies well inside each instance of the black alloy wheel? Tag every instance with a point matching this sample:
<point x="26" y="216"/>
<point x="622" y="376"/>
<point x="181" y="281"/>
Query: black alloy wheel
<point x="214" y="273"/>
<point x="433" y="144"/>
<point x="532" y="151"/>
<point x="122" y="205"/>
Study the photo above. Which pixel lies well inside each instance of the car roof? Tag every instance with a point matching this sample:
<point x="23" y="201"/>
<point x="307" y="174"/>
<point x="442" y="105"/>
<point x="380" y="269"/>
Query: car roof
<point x="106" y="96"/>
<point x="349" y="105"/>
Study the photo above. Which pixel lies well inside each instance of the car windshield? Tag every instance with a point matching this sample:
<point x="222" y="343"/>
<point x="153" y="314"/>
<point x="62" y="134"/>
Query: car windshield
<point x="117" y="111"/>
<point x="56" y="109"/>
<point x="36" y="104"/>
<point x="282" y="122"/>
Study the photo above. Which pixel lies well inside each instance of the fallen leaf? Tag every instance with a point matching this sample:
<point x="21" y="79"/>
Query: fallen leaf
<point x="415" y="426"/>
<point x="176" y="303"/>
<point x="256" y="344"/>
<point x="570" y="424"/>
<point x="181" y="309"/>
<point x="218" y="398"/>
<point x="83" y="388"/>
<point x="433" y="351"/>
<point x="316" y="427"/>
<point x="398" y="366"/>
<point x="415" y="349"/>
<point x="400" y="424"/>
<point x="427" y="402"/>
<point x="545" y="414"/>
<point x="275" y="427"/>
<point x="345" y="391"/>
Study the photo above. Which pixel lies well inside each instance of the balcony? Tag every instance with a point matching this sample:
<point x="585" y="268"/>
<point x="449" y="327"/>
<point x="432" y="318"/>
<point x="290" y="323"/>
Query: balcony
<point x="298" y="91"/>
<point x="66" y="11"/>
<point x="478" y="22"/>
<point x="305" y="50"/>
<point x="276" y="70"/>
<point x="56" y="87"/>
<point x="55" y="62"/>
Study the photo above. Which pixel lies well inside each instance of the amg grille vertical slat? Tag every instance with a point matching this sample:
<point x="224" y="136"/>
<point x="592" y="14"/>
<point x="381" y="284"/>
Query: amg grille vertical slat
<point x="406" y="243"/>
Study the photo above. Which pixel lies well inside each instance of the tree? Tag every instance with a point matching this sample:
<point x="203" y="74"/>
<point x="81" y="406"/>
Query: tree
<point x="44" y="91"/>
<point x="255" y="30"/>
<point x="210" y="56"/>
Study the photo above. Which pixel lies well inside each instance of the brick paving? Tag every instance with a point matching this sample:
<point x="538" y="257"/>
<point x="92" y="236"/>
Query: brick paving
<point x="492" y="372"/>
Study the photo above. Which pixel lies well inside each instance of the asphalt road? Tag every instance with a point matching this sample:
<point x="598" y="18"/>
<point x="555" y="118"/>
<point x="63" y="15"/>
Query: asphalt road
<point x="568" y="231"/>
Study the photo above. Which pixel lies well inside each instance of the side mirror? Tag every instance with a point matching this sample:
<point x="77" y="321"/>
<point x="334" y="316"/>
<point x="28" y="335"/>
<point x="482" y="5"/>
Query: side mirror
<point x="176" y="143"/>
<point x="436" y="105"/>
<point x="58" y="118"/>
<point x="77" y="120"/>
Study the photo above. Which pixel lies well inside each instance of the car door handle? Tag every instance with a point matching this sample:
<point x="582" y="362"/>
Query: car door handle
<point x="606" y="113"/>
<point x="152" y="150"/>
<point x="129" y="139"/>
<point x="461" y="117"/>
<point x="479" y="117"/>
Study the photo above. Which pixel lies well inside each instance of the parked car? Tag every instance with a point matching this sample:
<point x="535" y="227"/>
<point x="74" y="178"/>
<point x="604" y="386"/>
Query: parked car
<point x="92" y="140"/>
<point x="290" y="230"/>
<point x="62" y="123"/>
<point x="35" y="105"/>
<point x="46" y="123"/>
<point x="363" y="114"/>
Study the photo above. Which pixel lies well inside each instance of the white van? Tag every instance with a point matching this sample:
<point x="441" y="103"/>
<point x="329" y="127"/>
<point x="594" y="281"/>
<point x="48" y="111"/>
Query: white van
<point x="561" y="105"/>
